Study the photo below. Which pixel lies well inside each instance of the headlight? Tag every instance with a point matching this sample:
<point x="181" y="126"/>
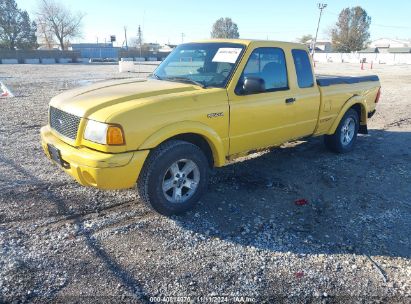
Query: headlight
<point x="102" y="133"/>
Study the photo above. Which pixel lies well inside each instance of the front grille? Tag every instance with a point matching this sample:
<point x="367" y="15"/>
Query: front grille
<point x="64" y="123"/>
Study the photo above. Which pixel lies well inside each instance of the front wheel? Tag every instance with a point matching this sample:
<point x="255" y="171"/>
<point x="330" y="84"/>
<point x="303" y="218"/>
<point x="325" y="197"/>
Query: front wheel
<point x="345" y="136"/>
<point x="174" y="177"/>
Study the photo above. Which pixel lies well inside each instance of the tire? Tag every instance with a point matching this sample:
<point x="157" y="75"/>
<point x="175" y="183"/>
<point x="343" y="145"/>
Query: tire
<point x="345" y="136"/>
<point x="167" y="166"/>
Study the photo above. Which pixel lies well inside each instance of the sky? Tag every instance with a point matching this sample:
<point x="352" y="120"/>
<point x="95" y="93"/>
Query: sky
<point x="164" y="21"/>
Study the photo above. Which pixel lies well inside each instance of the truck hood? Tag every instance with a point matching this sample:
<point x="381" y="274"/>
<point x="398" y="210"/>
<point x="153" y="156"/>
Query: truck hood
<point x="86" y="100"/>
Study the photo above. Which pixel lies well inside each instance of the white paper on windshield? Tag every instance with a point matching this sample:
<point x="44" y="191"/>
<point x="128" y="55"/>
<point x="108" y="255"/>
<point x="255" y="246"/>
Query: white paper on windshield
<point x="229" y="55"/>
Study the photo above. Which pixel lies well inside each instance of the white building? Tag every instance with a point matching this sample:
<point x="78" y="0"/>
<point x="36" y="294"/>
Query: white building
<point x="383" y="45"/>
<point x="166" y="48"/>
<point x="321" y="45"/>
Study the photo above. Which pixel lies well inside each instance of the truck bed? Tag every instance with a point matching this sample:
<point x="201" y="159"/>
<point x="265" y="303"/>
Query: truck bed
<point x="327" y="80"/>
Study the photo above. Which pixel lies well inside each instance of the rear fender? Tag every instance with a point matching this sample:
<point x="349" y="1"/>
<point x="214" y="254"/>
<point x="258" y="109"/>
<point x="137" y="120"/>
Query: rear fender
<point x="356" y="99"/>
<point x="212" y="138"/>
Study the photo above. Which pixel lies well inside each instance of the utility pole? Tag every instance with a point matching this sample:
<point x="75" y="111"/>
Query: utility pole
<point x="182" y="37"/>
<point x="125" y="37"/>
<point x="321" y="6"/>
<point x="140" y="40"/>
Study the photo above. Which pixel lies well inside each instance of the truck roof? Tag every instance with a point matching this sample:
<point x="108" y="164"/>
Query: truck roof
<point x="250" y="41"/>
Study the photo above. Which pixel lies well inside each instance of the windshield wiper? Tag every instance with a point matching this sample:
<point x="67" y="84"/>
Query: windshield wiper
<point x="156" y="76"/>
<point x="185" y="80"/>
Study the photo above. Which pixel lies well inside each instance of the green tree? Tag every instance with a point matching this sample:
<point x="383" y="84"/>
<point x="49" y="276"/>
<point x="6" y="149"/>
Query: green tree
<point x="351" y="33"/>
<point x="225" y="28"/>
<point x="16" y="29"/>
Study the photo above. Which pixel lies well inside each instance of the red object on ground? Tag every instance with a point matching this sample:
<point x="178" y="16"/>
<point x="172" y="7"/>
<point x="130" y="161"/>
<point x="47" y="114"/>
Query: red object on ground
<point x="299" y="274"/>
<point x="4" y="91"/>
<point x="301" y="202"/>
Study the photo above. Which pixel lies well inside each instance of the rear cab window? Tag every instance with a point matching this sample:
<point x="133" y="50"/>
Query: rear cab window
<point x="303" y="68"/>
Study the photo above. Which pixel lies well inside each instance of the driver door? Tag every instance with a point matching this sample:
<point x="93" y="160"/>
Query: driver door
<point x="263" y="119"/>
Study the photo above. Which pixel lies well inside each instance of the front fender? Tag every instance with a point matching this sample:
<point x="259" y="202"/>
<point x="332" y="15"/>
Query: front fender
<point x="215" y="142"/>
<point x="348" y="104"/>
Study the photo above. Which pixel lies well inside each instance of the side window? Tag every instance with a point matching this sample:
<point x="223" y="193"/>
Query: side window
<point x="303" y="68"/>
<point x="268" y="64"/>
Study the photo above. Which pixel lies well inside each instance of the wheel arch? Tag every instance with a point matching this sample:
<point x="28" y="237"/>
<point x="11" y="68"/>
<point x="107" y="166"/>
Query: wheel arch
<point x="196" y="133"/>
<point x="358" y="104"/>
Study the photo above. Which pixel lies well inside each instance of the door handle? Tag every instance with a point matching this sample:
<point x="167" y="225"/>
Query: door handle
<point x="290" y="100"/>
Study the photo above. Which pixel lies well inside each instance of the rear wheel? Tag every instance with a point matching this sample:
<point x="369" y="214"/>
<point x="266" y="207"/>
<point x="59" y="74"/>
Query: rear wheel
<point x="174" y="177"/>
<point x="345" y="136"/>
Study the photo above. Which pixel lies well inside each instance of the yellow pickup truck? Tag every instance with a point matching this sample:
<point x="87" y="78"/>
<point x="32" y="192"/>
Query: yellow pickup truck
<point x="208" y="102"/>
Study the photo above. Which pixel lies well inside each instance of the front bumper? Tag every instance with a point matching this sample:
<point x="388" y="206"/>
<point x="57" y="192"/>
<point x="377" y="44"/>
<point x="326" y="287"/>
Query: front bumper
<point x="93" y="168"/>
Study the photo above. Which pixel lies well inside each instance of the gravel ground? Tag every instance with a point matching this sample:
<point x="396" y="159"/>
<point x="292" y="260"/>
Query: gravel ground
<point x="62" y="242"/>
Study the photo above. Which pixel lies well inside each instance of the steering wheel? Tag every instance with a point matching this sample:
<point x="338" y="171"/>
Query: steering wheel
<point x="220" y="77"/>
<point x="225" y="71"/>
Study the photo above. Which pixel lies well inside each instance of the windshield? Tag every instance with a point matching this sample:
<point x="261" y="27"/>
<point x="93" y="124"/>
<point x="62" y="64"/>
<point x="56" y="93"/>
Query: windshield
<point x="205" y="64"/>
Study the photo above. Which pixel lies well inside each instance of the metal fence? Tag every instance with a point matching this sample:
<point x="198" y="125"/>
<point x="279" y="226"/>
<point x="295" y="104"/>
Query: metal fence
<point x="101" y="52"/>
<point x="21" y="55"/>
<point x="83" y="53"/>
<point x="147" y="55"/>
<point x="381" y="58"/>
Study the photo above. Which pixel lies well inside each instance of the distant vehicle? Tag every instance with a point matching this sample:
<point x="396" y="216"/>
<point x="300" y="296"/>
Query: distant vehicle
<point x="207" y="103"/>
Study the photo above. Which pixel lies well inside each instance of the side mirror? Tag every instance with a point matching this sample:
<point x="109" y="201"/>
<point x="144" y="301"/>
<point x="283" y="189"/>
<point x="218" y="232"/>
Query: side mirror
<point x="253" y="85"/>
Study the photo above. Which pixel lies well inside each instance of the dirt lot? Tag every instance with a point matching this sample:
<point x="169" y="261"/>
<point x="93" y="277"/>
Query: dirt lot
<point x="63" y="242"/>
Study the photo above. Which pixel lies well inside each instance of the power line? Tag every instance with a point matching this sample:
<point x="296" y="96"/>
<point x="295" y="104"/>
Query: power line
<point x="392" y="26"/>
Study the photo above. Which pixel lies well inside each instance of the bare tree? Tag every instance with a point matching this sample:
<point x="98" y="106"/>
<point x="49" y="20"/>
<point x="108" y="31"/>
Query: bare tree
<point x="56" y="20"/>
<point x="225" y="28"/>
<point x="44" y="35"/>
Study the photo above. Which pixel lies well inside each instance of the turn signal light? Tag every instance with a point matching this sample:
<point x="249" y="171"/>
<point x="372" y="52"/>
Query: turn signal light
<point x="115" y="136"/>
